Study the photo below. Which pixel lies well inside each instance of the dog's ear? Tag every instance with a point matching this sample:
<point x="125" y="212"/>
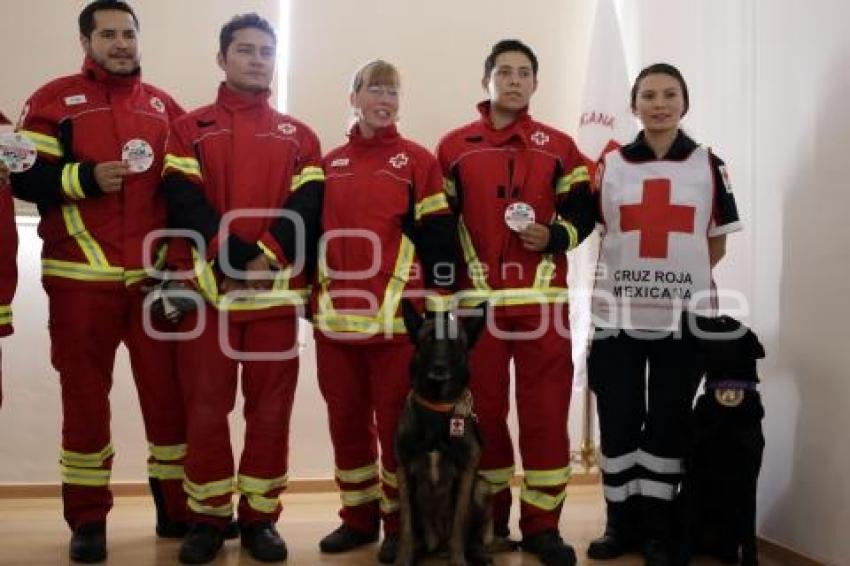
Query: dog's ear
<point x="474" y="321"/>
<point x="412" y="319"/>
<point x="754" y="347"/>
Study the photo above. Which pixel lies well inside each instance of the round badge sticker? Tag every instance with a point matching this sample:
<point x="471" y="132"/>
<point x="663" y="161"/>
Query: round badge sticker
<point x="17" y="152"/>
<point x="138" y="154"/>
<point x="519" y="216"/>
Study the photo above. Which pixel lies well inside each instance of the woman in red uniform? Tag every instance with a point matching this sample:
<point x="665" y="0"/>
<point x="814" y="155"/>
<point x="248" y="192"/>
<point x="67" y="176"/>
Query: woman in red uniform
<point x="388" y="231"/>
<point x="665" y="207"/>
<point x="8" y="251"/>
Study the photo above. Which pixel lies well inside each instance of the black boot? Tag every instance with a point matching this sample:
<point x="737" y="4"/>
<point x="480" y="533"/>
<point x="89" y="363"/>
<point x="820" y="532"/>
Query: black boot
<point x="201" y="544"/>
<point x="620" y="534"/>
<point x="344" y="538"/>
<point x="550" y="548"/>
<point x="263" y="541"/>
<point x="88" y="543"/>
<point x="389" y="549"/>
<point x="657" y="519"/>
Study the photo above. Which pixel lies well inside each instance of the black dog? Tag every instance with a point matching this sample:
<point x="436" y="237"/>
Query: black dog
<point x="727" y="442"/>
<point x="445" y="505"/>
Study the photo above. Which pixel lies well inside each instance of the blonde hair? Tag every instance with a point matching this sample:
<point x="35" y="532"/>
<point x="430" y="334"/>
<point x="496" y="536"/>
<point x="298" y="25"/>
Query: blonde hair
<point x="375" y="72"/>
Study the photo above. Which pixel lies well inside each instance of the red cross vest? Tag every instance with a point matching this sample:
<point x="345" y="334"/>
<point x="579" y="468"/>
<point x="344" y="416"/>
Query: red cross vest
<point x="653" y="259"/>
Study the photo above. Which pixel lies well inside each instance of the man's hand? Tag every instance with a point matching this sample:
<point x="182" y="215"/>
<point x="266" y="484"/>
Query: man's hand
<point x="535" y="237"/>
<point x="258" y="273"/>
<point x="110" y="174"/>
<point x="4" y="174"/>
<point x="228" y="285"/>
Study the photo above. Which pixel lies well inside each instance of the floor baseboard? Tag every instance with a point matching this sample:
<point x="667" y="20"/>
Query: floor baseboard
<point x="784" y="555"/>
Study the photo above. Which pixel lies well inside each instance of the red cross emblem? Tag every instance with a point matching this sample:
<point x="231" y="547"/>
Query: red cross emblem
<point x="398" y="161"/>
<point x="655" y="218"/>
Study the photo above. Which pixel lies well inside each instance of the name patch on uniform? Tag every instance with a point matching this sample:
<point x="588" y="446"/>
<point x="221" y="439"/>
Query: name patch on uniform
<point x="341" y="162"/>
<point x="75" y="100"/>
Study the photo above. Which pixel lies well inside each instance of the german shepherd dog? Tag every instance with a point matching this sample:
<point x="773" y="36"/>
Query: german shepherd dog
<point x="727" y="442"/>
<point x="444" y="504"/>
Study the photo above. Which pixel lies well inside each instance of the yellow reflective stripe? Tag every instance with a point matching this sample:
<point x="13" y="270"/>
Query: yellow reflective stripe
<point x="86" y="477"/>
<point x="571" y="231"/>
<point x="225" y="510"/>
<point x="43" y="143"/>
<point x="308" y="174"/>
<point x="541" y="500"/>
<point x="389" y="478"/>
<point x="71" y="185"/>
<point x="565" y="183"/>
<point x="133" y="276"/>
<point x="165" y="471"/>
<point x="395" y="287"/>
<point x="167" y="453"/>
<point x="431" y="204"/>
<point x="86" y="459"/>
<point x="264" y="300"/>
<point x="512" y="297"/>
<point x="279" y="296"/>
<point x="547" y="478"/>
<point x="207" y="490"/>
<point x="76" y="228"/>
<point x="353" y="498"/>
<point x="185" y="165"/>
<point x="497" y="475"/>
<point x="439" y="303"/>
<point x="383" y="321"/>
<point x="357" y="475"/>
<point x="261" y="503"/>
<point x="477" y="272"/>
<point x="268" y="252"/>
<point x="389" y="505"/>
<point x="5" y="315"/>
<point x="449" y="187"/>
<point x="258" y="486"/>
<point x="80" y="271"/>
<point x="544" y="273"/>
<point x="205" y="277"/>
<point x="358" y="324"/>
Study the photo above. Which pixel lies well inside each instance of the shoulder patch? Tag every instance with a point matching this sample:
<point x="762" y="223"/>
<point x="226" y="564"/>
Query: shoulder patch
<point x="75" y="100"/>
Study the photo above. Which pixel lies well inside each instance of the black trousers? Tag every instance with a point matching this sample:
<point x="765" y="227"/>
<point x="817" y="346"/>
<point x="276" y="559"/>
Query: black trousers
<point x="644" y="384"/>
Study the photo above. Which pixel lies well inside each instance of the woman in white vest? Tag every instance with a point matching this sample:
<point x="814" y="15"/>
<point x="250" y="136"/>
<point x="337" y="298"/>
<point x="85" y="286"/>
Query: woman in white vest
<point x="665" y="207"/>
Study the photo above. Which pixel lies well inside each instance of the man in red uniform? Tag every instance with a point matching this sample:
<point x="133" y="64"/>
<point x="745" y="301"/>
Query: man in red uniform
<point x="523" y="195"/>
<point x="8" y="252"/>
<point x="100" y="137"/>
<point x="231" y="169"/>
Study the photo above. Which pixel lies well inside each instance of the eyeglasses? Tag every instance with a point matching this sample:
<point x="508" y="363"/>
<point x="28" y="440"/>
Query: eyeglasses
<point x="376" y="91"/>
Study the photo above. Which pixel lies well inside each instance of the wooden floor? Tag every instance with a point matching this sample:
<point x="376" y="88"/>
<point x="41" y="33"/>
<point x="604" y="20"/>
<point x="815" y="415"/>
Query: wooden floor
<point x="32" y="532"/>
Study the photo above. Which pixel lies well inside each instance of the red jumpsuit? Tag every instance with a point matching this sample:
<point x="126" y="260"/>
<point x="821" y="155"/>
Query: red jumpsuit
<point x="93" y="262"/>
<point x="8" y="266"/>
<point x="238" y="154"/>
<point x="486" y="170"/>
<point x="390" y="190"/>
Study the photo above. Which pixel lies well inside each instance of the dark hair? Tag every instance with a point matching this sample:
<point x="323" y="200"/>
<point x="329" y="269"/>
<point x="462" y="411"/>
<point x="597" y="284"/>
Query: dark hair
<point x="505" y="46"/>
<point x="242" y="21"/>
<point x="661" y="69"/>
<point x="86" y="17"/>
